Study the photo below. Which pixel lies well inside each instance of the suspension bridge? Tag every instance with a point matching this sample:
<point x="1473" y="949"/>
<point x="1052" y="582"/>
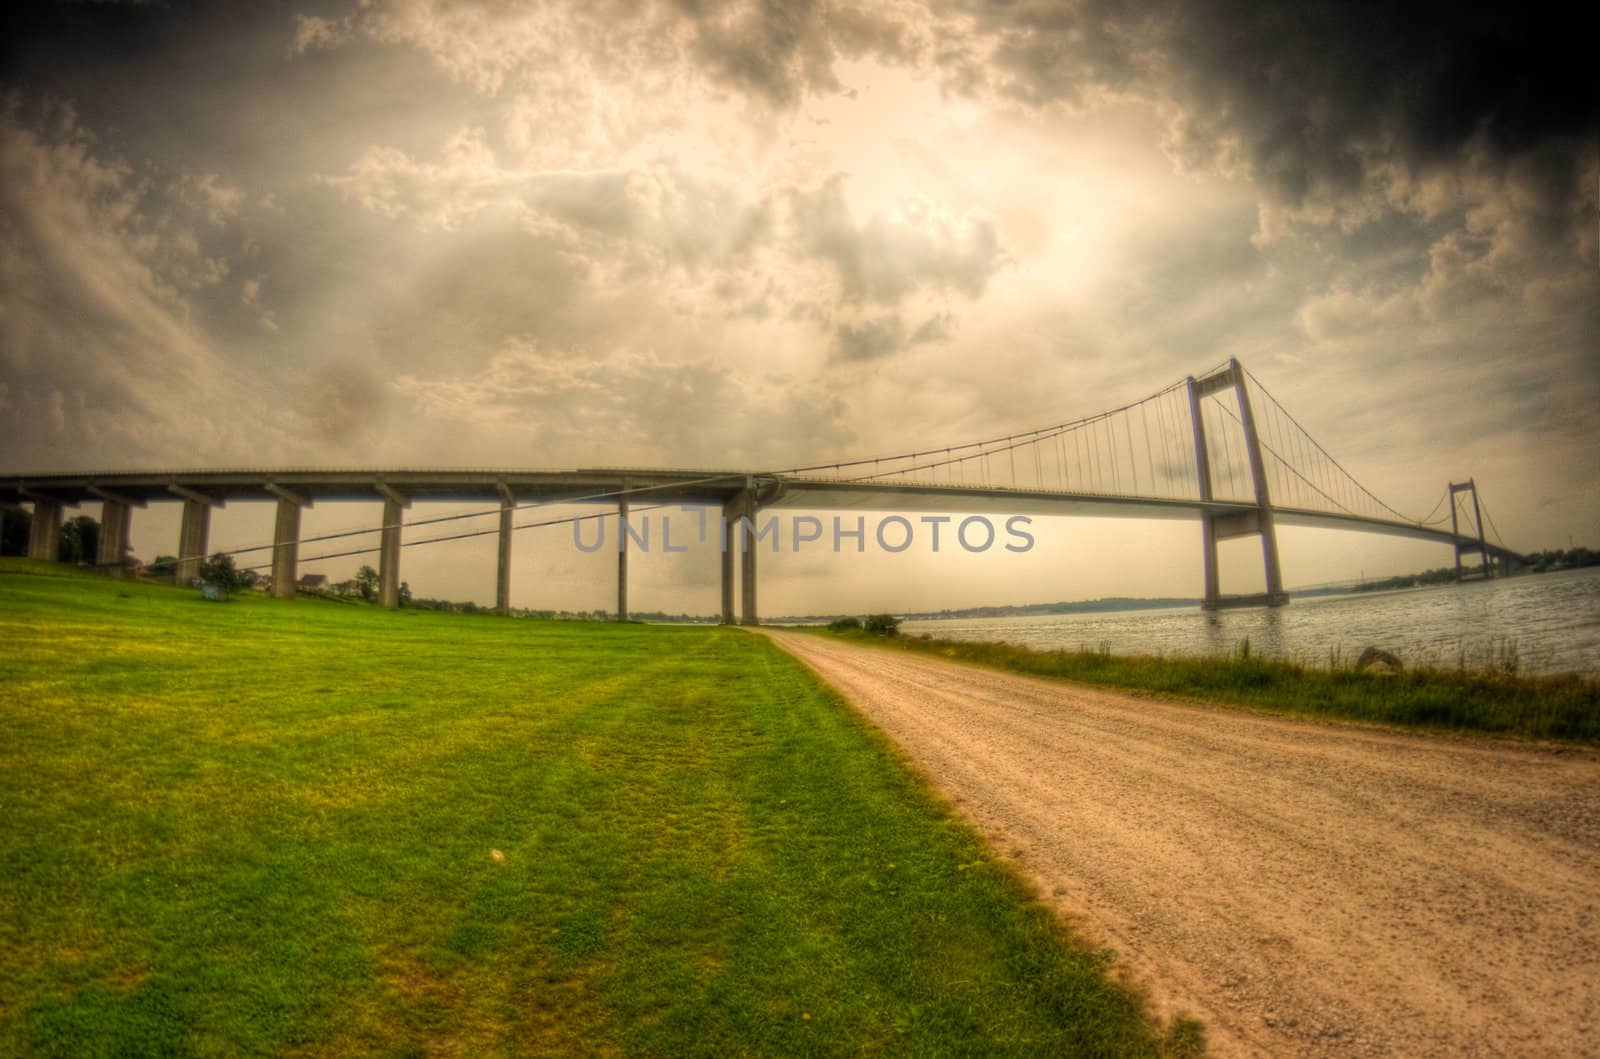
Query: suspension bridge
<point x="1216" y="448"/>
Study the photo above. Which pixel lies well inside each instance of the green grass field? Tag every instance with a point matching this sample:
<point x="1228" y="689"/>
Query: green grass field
<point x="271" y="827"/>
<point x="1557" y="707"/>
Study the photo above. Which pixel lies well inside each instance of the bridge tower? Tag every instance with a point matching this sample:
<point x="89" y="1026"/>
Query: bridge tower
<point x="1467" y="543"/>
<point x="1231" y="524"/>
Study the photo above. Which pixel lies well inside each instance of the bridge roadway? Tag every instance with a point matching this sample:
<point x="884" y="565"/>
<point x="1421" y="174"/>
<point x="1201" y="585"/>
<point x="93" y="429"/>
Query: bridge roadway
<point x="737" y="493"/>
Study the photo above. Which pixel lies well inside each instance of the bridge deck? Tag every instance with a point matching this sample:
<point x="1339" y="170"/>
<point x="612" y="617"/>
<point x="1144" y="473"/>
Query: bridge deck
<point x="658" y="485"/>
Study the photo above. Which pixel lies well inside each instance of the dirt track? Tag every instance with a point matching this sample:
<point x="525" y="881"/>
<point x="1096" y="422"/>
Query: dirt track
<point x="1302" y="888"/>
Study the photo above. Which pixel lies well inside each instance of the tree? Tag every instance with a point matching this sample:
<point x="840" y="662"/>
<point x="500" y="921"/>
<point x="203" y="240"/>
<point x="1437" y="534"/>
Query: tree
<point x="15" y="531"/>
<point x="367" y="581"/>
<point x="220" y="571"/>
<point x="882" y="625"/>
<point x="405" y="594"/>
<point x="80" y="540"/>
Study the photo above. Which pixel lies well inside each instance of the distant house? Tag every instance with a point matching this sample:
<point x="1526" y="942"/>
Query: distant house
<point x="312" y="582"/>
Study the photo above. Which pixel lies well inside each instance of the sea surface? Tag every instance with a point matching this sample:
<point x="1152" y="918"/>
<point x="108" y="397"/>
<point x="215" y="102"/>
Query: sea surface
<point x="1536" y="623"/>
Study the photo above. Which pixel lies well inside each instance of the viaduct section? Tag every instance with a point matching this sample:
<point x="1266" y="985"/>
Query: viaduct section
<point x="734" y="494"/>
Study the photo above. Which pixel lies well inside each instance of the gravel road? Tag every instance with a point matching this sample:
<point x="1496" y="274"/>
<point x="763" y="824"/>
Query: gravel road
<point x="1304" y="889"/>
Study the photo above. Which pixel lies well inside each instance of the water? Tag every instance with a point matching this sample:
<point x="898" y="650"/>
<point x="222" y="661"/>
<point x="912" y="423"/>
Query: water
<point x="1546" y="623"/>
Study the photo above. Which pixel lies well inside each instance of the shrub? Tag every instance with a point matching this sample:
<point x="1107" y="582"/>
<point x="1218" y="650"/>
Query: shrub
<point x="220" y="571"/>
<point x="844" y="625"/>
<point x="883" y="625"/>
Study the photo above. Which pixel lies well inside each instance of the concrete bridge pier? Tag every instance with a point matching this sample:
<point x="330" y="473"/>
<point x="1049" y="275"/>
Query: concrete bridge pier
<point x="730" y="515"/>
<point x="727" y="581"/>
<point x="286" y="540"/>
<point x="747" y="576"/>
<point x="502" y="585"/>
<point x="194" y="534"/>
<point x="193" y="538"/>
<point x="116" y="520"/>
<point x="622" y="555"/>
<point x="741" y="513"/>
<point x="44" y="530"/>
<point x="394" y="506"/>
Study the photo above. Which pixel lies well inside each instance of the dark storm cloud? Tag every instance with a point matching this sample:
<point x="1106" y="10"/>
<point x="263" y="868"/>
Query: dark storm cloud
<point x="146" y="77"/>
<point x="1311" y="97"/>
<point x="1322" y="96"/>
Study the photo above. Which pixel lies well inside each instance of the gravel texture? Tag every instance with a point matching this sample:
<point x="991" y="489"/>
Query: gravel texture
<point x="1302" y="888"/>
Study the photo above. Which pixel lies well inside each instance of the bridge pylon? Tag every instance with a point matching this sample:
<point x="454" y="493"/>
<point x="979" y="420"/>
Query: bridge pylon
<point x="1230" y="524"/>
<point x="1478" y="544"/>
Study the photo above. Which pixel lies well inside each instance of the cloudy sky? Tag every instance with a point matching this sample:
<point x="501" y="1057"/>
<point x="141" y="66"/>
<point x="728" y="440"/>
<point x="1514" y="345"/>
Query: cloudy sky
<point x="706" y="233"/>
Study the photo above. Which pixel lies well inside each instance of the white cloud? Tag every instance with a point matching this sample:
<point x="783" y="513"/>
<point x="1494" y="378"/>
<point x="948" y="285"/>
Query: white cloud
<point x="705" y="245"/>
<point x="441" y="194"/>
<point x="886" y="257"/>
<point x="652" y="410"/>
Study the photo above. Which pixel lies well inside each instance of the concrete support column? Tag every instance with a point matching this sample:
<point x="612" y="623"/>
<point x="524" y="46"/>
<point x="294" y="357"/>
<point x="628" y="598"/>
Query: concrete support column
<point x="622" y="556"/>
<point x="747" y="584"/>
<point x="286" y="548"/>
<point x="194" y="535"/>
<point x="1258" y="478"/>
<point x="389" y="552"/>
<point x="730" y="542"/>
<point x="193" y="540"/>
<point x="747" y="557"/>
<point x="115" y="519"/>
<point x="502" y="585"/>
<point x="44" y="532"/>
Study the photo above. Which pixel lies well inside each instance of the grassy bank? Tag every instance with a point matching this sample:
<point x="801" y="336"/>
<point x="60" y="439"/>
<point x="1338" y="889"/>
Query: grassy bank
<point x="293" y="826"/>
<point x="1565" y="707"/>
